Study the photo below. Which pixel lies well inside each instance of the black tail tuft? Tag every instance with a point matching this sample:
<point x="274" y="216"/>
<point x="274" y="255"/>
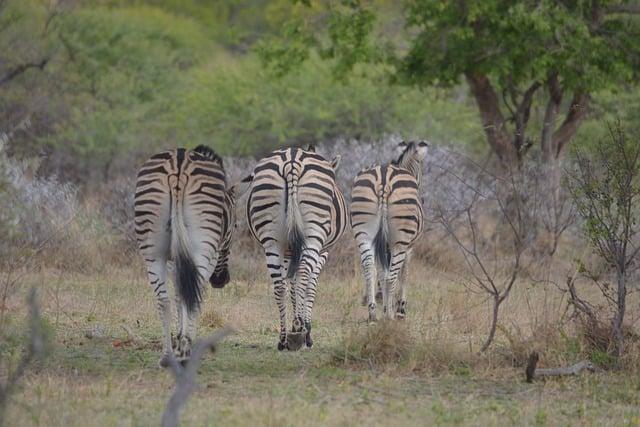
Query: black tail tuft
<point x="297" y="244"/>
<point x="381" y="249"/>
<point x="188" y="281"/>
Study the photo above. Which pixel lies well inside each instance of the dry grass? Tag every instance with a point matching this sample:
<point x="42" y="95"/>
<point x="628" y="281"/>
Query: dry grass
<point x="379" y="344"/>
<point x="423" y="370"/>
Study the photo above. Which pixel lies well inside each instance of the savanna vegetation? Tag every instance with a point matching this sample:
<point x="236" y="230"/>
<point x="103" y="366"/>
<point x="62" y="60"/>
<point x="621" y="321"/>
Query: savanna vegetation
<point x="531" y="185"/>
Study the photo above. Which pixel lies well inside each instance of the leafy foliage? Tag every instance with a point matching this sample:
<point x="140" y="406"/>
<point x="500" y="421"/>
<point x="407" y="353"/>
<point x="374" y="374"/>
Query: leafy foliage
<point x="507" y="52"/>
<point x="606" y="189"/>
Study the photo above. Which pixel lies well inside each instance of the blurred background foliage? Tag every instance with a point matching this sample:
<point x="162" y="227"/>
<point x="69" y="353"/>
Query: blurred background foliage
<point x="108" y="82"/>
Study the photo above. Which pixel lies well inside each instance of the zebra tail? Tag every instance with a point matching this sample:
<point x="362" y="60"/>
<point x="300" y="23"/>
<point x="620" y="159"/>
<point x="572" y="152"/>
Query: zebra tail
<point x="187" y="275"/>
<point x="381" y="249"/>
<point x="295" y="234"/>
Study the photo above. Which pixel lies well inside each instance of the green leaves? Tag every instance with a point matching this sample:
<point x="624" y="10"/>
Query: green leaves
<point x="605" y="186"/>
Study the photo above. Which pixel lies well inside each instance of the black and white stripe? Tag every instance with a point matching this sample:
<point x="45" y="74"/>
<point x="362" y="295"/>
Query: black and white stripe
<point x="184" y="216"/>
<point x="387" y="217"/>
<point x="296" y="211"/>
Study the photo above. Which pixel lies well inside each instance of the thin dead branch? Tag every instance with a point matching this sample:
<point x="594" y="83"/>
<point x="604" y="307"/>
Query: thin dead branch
<point x="34" y="349"/>
<point x="533" y="372"/>
<point x="185" y="376"/>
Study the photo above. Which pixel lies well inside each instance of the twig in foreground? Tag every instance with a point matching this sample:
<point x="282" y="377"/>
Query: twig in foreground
<point x="186" y="376"/>
<point x="534" y="373"/>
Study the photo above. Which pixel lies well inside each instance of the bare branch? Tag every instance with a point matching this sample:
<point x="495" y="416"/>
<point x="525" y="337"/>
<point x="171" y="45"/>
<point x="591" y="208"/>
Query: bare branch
<point x="20" y="69"/>
<point x="35" y="348"/>
<point x="534" y="373"/>
<point x="568" y="128"/>
<point x="492" y="119"/>
<point x="631" y="9"/>
<point x="186" y="376"/>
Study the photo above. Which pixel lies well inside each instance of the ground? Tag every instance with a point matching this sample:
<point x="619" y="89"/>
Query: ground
<point x="113" y="377"/>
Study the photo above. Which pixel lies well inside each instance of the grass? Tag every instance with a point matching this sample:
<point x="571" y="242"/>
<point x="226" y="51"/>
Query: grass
<point x="436" y="378"/>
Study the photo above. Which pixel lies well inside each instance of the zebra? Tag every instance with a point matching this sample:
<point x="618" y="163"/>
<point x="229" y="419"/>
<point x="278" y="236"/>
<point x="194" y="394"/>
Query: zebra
<point x="386" y="218"/>
<point x="184" y="217"/>
<point x="296" y="211"/>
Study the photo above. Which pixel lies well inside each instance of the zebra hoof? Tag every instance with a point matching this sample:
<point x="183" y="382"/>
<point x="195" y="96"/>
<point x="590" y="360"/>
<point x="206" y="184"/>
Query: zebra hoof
<point x="296" y="340"/>
<point x="282" y="345"/>
<point x="182" y="351"/>
<point x="220" y="280"/>
<point x="164" y="361"/>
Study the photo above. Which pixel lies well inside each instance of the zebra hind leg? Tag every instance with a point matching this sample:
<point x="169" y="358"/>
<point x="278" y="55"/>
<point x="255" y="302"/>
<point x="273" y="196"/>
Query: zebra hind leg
<point x="370" y="275"/>
<point x="303" y="280"/>
<point x="391" y="282"/>
<point x="310" y="297"/>
<point x="401" y="303"/>
<point x="157" y="274"/>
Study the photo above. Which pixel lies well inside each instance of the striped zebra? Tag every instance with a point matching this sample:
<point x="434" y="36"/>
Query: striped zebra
<point x="387" y="217"/>
<point x="184" y="218"/>
<point x="296" y="211"/>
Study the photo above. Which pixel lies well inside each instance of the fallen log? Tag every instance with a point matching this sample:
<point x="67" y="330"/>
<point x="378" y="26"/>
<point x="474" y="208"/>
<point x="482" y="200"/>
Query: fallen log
<point x="533" y="372"/>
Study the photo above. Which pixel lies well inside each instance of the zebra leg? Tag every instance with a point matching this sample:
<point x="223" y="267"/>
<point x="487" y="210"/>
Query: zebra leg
<point x="157" y="274"/>
<point x="290" y="284"/>
<point x="369" y="271"/>
<point x="391" y="282"/>
<point x="379" y="293"/>
<point x="310" y="296"/>
<point x="401" y="302"/>
<point x="304" y="275"/>
<point x="277" y="272"/>
<point x="177" y="303"/>
<point x="189" y="320"/>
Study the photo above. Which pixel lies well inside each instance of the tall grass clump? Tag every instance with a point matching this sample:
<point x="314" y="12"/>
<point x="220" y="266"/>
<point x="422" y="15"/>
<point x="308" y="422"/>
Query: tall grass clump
<point x="393" y="345"/>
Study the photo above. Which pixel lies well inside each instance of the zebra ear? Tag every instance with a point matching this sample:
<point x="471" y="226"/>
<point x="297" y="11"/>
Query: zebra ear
<point x="335" y="163"/>
<point x="423" y="147"/>
<point x="311" y="148"/>
<point x="241" y="187"/>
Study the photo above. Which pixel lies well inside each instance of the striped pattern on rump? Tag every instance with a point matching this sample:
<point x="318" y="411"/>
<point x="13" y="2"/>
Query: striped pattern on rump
<point x="387" y="218"/>
<point x="184" y="216"/>
<point x="296" y="211"/>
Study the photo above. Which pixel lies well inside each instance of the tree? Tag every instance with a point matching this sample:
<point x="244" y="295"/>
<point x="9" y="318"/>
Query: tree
<point x="606" y="189"/>
<point x="512" y="55"/>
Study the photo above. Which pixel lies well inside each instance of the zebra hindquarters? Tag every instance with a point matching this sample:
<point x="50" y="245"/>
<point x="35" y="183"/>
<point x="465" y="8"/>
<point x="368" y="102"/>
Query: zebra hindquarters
<point x="368" y="228"/>
<point x="152" y="211"/>
<point x="405" y="222"/>
<point x="200" y="232"/>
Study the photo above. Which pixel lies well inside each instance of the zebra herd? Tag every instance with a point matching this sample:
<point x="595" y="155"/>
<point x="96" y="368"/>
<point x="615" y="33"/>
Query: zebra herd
<point x="185" y="217"/>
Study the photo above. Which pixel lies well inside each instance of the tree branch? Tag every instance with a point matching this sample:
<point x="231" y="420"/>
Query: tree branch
<point x="492" y="119"/>
<point x="631" y="9"/>
<point x="553" y="105"/>
<point x="522" y="115"/>
<point x="533" y="372"/>
<point x="11" y="74"/>
<point x="577" y="112"/>
<point x="186" y="376"/>
<point x="35" y="348"/>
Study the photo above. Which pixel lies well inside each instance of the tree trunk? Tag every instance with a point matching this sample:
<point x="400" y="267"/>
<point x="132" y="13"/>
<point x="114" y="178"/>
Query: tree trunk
<point x="620" y="310"/>
<point x="493" y="121"/>
<point x="494" y="323"/>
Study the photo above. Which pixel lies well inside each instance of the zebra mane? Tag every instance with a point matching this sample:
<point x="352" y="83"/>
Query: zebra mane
<point x="410" y="159"/>
<point x="209" y="154"/>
